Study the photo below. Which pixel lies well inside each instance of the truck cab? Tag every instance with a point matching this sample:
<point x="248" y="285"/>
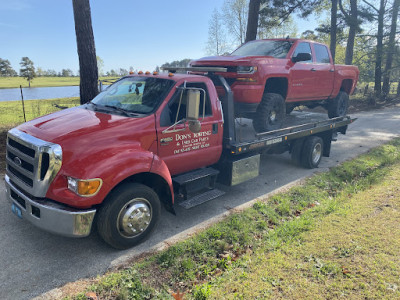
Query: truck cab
<point x="63" y="166"/>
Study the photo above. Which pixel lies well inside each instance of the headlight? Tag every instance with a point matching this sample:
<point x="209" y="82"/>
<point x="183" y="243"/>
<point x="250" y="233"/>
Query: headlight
<point x="84" y="188"/>
<point x="246" y="69"/>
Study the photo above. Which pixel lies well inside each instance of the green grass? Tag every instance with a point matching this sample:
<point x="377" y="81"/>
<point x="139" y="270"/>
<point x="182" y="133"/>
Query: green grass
<point x="321" y="238"/>
<point x="11" y="112"/>
<point x="15" y="82"/>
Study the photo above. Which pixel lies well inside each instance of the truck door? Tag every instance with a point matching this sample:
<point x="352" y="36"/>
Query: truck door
<point x="325" y="71"/>
<point x="303" y="76"/>
<point x="181" y="149"/>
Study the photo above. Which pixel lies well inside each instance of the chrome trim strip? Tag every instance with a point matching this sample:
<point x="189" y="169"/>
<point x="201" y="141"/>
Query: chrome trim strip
<point x="54" y="217"/>
<point x="20" y="169"/>
<point x="18" y="153"/>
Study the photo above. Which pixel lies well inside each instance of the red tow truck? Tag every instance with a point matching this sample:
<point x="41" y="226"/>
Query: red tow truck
<point x="149" y="140"/>
<point x="270" y="77"/>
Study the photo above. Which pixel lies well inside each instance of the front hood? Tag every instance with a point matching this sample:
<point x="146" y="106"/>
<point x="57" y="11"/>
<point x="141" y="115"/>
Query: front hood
<point x="79" y="128"/>
<point x="227" y="60"/>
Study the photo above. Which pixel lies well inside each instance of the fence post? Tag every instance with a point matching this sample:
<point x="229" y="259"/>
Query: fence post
<point x="23" y="105"/>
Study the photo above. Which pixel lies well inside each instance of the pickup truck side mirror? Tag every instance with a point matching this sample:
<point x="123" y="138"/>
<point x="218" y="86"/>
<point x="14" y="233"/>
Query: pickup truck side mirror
<point x="192" y="110"/>
<point x="301" y="57"/>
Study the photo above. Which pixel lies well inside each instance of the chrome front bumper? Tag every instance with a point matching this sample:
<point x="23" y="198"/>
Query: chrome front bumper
<point x="51" y="216"/>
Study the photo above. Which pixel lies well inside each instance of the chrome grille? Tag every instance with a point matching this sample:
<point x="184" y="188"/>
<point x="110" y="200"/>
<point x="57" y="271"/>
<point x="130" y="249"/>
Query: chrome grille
<point x="32" y="163"/>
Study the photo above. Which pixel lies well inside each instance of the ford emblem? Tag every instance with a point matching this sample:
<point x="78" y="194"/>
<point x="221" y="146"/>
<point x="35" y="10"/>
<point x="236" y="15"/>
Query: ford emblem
<point x="17" y="161"/>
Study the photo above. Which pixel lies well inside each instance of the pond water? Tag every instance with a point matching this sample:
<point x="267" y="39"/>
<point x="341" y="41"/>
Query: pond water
<point x="39" y="93"/>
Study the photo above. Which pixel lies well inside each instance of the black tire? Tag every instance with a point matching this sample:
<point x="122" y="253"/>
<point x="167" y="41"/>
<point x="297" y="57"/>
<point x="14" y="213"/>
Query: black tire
<point x="311" y="154"/>
<point x="338" y="107"/>
<point x="128" y="215"/>
<point x="270" y="113"/>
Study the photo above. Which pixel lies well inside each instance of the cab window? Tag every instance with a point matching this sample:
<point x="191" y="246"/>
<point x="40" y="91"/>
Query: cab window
<point x="303" y="48"/>
<point x="173" y="113"/>
<point x="321" y="54"/>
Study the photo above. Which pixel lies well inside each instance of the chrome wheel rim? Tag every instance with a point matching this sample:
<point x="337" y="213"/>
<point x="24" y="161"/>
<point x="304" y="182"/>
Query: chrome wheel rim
<point x="272" y="116"/>
<point x="316" y="153"/>
<point x="134" y="217"/>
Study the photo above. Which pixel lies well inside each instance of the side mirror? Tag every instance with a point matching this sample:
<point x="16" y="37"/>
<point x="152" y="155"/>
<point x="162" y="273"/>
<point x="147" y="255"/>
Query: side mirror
<point x="301" y="57"/>
<point x="192" y="110"/>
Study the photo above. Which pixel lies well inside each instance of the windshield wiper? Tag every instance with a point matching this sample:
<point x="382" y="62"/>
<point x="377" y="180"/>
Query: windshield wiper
<point x="124" y="111"/>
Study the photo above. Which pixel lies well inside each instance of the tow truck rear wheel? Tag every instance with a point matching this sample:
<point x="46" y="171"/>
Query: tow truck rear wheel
<point x="270" y="113"/>
<point x="128" y="215"/>
<point x="312" y="151"/>
<point x="338" y="107"/>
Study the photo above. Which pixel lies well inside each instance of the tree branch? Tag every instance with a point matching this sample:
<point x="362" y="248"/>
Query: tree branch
<point x="366" y="2"/>
<point x="346" y="15"/>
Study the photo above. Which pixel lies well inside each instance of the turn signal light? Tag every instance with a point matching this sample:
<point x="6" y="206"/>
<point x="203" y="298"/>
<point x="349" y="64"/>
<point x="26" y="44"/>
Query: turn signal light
<point x="147" y="73"/>
<point x="246" y="79"/>
<point x="140" y="72"/>
<point x="85" y="188"/>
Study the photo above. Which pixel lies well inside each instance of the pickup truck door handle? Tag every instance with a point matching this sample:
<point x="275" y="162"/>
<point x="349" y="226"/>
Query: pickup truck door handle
<point x="313" y="70"/>
<point x="331" y="70"/>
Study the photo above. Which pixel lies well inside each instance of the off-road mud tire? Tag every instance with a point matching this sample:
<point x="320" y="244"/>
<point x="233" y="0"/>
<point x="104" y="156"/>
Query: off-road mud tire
<point x="270" y="113"/>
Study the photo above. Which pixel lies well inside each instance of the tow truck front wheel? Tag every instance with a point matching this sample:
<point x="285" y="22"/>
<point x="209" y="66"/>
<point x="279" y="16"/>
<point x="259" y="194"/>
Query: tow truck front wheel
<point x="270" y="113"/>
<point x="128" y="215"/>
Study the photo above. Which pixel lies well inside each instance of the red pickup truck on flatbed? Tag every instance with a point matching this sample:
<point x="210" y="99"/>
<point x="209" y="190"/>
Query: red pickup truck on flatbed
<point x="148" y="140"/>
<point x="269" y="78"/>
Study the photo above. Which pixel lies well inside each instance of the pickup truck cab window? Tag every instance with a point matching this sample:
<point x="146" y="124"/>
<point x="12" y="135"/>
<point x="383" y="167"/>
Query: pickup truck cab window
<point x="303" y="48"/>
<point x="321" y="54"/>
<point x="276" y="49"/>
<point x="133" y="95"/>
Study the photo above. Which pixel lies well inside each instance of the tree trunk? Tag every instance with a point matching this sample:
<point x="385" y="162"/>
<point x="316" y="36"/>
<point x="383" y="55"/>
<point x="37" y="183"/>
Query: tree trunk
<point x="333" y="28"/>
<point x="379" y="50"/>
<point x="252" y="22"/>
<point x="398" y="88"/>
<point x="86" y="50"/>
<point x="353" y="19"/>
<point x="391" y="48"/>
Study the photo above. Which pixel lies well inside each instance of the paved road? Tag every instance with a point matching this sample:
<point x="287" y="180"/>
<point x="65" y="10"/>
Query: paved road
<point x="33" y="262"/>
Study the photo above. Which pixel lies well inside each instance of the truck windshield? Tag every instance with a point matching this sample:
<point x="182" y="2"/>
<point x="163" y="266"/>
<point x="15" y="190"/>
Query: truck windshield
<point x="277" y="49"/>
<point x="140" y="95"/>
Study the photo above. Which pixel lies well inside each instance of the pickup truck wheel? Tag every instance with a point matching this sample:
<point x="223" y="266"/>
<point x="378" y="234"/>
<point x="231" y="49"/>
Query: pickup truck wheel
<point x="270" y="113"/>
<point x="338" y="107"/>
<point x="312" y="152"/>
<point x="128" y="215"/>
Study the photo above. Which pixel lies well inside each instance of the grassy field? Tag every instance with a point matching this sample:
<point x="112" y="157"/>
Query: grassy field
<point x="335" y="236"/>
<point x="15" y="82"/>
<point x="11" y="112"/>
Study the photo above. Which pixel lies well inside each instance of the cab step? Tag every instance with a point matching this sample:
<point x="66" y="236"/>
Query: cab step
<point x="201" y="198"/>
<point x="190" y="184"/>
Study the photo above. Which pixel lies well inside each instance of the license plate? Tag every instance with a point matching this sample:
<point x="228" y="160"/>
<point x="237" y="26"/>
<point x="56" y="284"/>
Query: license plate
<point x="16" y="210"/>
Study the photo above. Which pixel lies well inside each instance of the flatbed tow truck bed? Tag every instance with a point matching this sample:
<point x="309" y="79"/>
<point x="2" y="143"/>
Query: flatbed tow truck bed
<point x="298" y="124"/>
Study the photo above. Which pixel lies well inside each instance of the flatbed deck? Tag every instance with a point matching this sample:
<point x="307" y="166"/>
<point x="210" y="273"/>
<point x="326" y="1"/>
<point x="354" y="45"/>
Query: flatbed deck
<point x="297" y="125"/>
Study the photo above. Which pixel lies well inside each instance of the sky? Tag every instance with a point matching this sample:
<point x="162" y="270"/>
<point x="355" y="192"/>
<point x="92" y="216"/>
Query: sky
<point x="141" y="34"/>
